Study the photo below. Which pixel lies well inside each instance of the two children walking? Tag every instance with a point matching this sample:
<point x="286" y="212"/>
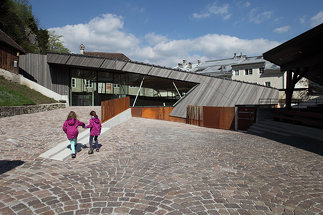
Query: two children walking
<point x="70" y="127"/>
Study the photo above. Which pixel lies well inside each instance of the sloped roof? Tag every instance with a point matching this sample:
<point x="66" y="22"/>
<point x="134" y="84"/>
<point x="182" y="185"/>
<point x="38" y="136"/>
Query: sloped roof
<point x="9" y="41"/>
<point x="225" y="93"/>
<point x="115" y="56"/>
<point x="225" y="66"/>
<point x="303" y="54"/>
<point x="219" y="63"/>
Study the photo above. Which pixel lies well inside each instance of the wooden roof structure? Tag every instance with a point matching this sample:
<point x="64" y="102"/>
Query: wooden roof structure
<point x="302" y="54"/>
<point x="4" y="38"/>
<point x="117" y="56"/>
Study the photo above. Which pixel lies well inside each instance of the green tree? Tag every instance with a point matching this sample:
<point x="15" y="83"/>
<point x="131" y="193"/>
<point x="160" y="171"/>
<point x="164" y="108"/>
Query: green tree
<point x="10" y="21"/>
<point x="55" y="43"/>
<point x="15" y="17"/>
<point x="43" y="41"/>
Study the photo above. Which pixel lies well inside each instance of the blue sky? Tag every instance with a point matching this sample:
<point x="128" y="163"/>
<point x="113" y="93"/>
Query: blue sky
<point x="166" y="32"/>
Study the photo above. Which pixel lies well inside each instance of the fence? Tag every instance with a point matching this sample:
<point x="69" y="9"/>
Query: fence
<point x="113" y="107"/>
<point x="268" y="101"/>
<point x="211" y="117"/>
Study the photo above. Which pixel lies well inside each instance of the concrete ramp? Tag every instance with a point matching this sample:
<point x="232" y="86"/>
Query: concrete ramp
<point x="62" y="151"/>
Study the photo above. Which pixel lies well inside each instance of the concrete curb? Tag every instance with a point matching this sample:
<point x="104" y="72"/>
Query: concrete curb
<point x="61" y="151"/>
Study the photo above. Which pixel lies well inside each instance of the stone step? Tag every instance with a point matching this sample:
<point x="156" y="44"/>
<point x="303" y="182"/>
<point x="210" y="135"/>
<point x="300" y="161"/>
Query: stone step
<point x="65" y="152"/>
<point x="309" y="131"/>
<point x="282" y="128"/>
<point x="62" y="151"/>
<point x="263" y="130"/>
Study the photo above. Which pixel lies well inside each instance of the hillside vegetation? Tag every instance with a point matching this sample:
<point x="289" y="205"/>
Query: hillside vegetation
<point x="14" y="94"/>
<point x="18" y="22"/>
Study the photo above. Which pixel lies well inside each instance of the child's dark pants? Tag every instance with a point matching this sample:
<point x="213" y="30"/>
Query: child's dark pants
<point x="96" y="142"/>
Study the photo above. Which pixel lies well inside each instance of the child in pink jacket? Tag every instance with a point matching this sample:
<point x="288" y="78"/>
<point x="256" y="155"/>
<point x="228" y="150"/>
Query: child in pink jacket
<point x="95" y="130"/>
<point x="70" y="128"/>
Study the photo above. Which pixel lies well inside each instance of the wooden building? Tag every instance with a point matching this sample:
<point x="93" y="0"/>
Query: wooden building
<point x="9" y="53"/>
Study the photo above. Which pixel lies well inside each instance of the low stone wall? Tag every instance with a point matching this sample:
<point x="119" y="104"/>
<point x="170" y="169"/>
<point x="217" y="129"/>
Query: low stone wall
<point x="17" y="110"/>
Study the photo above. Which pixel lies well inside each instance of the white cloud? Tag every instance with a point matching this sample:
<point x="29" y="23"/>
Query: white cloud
<point x="106" y="34"/>
<point x="101" y="33"/>
<point x="214" y="9"/>
<point x="201" y="15"/>
<point x="210" y="46"/>
<point x="302" y="20"/>
<point x="259" y="17"/>
<point x="317" y="19"/>
<point x="154" y="39"/>
<point x="282" y="29"/>
<point x="247" y="4"/>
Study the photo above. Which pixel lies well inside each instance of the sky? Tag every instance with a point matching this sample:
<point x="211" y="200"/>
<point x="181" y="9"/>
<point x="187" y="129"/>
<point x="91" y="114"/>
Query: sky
<point x="166" y="32"/>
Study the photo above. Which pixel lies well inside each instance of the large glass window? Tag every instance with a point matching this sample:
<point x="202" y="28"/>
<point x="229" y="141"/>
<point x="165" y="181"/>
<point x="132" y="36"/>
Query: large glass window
<point x="83" y="87"/>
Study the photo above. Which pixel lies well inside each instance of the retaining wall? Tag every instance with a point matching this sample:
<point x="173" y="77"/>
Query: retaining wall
<point x="17" y="110"/>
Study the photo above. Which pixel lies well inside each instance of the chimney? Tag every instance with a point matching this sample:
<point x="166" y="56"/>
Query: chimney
<point x="234" y="55"/>
<point x="190" y="65"/>
<point x="198" y="62"/>
<point x="184" y="63"/>
<point x="180" y="65"/>
<point x="82" y="47"/>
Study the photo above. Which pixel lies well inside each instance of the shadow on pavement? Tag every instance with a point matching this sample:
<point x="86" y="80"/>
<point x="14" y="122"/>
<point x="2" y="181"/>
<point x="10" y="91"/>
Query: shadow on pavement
<point x="7" y="165"/>
<point x="308" y="144"/>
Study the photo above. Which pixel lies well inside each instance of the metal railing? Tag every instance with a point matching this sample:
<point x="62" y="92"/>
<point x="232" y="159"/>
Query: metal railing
<point x="268" y="101"/>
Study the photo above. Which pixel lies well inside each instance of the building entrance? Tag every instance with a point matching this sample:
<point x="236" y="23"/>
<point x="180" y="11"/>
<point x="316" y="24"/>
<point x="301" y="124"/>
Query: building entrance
<point x="83" y="87"/>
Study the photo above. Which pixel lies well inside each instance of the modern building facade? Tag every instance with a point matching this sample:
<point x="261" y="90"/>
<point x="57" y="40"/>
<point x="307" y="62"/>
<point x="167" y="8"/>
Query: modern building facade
<point x="88" y="80"/>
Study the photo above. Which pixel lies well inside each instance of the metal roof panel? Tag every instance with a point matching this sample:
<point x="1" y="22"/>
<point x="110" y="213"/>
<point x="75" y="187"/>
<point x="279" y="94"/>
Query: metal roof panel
<point x="57" y="58"/>
<point x="137" y="68"/>
<point x="178" y="75"/>
<point x="160" y="72"/>
<point x="84" y="61"/>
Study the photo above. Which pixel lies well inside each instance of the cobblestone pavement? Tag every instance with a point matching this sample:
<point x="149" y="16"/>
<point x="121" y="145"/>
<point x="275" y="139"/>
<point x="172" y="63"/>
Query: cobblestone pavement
<point x="154" y="167"/>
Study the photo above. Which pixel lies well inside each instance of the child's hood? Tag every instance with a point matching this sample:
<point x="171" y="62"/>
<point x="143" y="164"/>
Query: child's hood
<point x="96" y="120"/>
<point x="71" y="121"/>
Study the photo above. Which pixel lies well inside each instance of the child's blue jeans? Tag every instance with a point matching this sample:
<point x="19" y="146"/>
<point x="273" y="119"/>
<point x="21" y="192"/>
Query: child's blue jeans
<point x="96" y="142"/>
<point x="73" y="144"/>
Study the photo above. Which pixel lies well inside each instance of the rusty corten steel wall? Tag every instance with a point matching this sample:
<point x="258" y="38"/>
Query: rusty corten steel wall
<point x="218" y="117"/>
<point x="194" y="115"/>
<point x="113" y="107"/>
<point x="161" y="113"/>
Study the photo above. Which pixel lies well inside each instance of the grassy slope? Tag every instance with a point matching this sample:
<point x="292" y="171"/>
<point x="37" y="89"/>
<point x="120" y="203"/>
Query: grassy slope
<point x="13" y="94"/>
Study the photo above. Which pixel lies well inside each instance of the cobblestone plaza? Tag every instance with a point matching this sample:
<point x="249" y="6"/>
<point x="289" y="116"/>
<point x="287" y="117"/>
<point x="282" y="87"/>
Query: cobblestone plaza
<point x="154" y="167"/>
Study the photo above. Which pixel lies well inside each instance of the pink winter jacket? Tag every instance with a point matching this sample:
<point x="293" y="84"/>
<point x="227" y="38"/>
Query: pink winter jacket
<point x="70" y="128"/>
<point x="95" y="125"/>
